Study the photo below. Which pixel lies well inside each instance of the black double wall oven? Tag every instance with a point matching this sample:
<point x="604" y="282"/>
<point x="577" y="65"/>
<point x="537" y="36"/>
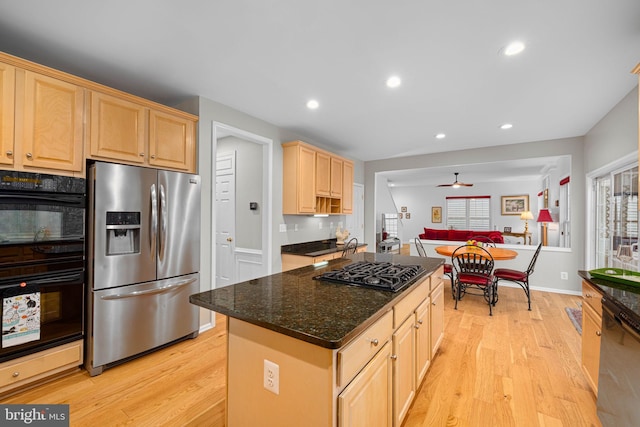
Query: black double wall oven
<point x="42" y="274"/>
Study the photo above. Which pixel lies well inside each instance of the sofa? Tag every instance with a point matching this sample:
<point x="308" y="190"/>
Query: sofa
<point x="460" y="235"/>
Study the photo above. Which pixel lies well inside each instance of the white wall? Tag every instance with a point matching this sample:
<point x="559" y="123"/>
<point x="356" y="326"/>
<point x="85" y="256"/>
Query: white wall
<point x="569" y="260"/>
<point x="420" y="199"/>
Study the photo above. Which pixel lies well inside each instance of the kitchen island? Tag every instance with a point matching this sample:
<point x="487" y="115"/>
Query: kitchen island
<point x="316" y="353"/>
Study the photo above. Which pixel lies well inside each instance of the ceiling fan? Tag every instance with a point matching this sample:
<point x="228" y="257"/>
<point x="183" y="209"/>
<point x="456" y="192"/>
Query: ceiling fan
<point x="456" y="183"/>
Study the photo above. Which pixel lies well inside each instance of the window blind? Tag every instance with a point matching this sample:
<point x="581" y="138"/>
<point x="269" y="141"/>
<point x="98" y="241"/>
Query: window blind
<point x="469" y="213"/>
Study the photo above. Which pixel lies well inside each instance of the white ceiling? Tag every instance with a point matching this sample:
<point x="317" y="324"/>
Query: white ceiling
<point x="267" y="58"/>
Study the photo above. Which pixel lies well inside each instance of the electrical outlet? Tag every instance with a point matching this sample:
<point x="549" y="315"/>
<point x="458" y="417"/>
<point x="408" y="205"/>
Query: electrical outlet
<point x="271" y="377"/>
<point x="295" y="227"/>
<point x="320" y="225"/>
<point x="283" y="228"/>
<point x="564" y="275"/>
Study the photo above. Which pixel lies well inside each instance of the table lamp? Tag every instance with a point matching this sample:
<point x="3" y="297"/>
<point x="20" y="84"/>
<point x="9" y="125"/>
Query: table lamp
<point x="526" y="216"/>
<point x="544" y="216"/>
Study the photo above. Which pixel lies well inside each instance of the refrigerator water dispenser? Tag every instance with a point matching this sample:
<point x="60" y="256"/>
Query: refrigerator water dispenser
<point x="123" y="233"/>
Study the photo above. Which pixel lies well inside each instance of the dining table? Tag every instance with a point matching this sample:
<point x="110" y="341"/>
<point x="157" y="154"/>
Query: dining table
<point x="498" y="254"/>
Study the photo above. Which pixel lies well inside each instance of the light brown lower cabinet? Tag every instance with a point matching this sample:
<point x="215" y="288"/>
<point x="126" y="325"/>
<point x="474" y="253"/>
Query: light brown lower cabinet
<point x="289" y="262"/>
<point x="26" y="370"/>
<point x="591" y="331"/>
<point x="367" y="399"/>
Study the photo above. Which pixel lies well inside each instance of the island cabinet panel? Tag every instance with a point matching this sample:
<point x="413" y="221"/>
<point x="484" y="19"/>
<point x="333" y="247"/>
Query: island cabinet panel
<point x="591" y="331"/>
<point x="7" y="113"/>
<point x="306" y="381"/>
<point x="118" y="129"/>
<point x="437" y="313"/>
<point x="423" y="342"/>
<point x="403" y="361"/>
<point x="357" y="353"/>
<point x="49" y="123"/>
<point x="366" y="402"/>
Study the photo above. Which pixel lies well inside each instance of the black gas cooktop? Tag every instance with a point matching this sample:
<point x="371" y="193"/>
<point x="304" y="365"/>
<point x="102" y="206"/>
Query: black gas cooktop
<point x="376" y="275"/>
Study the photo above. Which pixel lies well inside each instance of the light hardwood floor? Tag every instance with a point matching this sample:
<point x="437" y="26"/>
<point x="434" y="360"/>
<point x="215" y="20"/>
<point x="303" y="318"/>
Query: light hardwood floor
<point x="516" y="368"/>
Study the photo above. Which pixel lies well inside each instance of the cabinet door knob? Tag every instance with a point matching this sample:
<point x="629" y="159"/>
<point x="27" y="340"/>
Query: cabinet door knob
<point x="417" y="326"/>
<point x="420" y="321"/>
<point x="9" y="153"/>
<point x="375" y="342"/>
<point x="29" y="155"/>
<point x="141" y="154"/>
<point x="394" y="356"/>
<point x="229" y="239"/>
<point x="598" y="333"/>
<point x="153" y="156"/>
<point x="588" y="295"/>
<point x="15" y="374"/>
<point x="433" y="303"/>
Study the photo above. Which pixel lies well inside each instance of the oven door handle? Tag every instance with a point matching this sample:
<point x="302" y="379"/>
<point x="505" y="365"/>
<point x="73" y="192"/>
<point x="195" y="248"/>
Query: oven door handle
<point x="59" y="199"/>
<point x="621" y="318"/>
<point x="167" y="288"/>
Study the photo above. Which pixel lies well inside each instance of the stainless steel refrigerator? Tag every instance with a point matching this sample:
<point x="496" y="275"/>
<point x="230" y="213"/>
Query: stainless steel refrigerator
<point x="143" y="261"/>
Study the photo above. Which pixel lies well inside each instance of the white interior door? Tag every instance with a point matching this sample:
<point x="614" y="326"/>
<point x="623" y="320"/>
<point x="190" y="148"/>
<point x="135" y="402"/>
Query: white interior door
<point x="225" y="219"/>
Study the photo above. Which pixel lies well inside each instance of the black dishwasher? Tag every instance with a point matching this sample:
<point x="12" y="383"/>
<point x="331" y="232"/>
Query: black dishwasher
<point x="619" y="377"/>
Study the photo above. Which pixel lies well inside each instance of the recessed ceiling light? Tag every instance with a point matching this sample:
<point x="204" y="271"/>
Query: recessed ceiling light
<point x="513" y="48"/>
<point x="312" y="104"/>
<point x="440" y="136"/>
<point x="506" y="126"/>
<point x="394" y="81"/>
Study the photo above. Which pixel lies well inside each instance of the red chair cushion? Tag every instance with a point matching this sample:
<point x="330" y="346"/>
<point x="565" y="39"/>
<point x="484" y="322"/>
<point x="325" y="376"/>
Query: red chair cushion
<point x="448" y="268"/>
<point x="475" y="279"/>
<point x="508" y="274"/>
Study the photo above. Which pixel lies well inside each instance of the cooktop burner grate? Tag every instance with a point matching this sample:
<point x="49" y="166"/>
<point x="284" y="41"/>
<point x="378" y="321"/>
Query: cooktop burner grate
<point x="377" y="275"/>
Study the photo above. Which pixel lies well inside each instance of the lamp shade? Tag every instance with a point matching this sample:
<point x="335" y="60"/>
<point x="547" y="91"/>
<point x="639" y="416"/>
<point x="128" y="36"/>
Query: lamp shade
<point x="544" y="216"/>
<point x="526" y="215"/>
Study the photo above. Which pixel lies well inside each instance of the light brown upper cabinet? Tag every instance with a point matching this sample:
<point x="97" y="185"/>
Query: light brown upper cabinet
<point x="49" y="123"/>
<point x="7" y="108"/>
<point x="347" y="187"/>
<point x="52" y="122"/>
<point x="336" y="177"/>
<point x="299" y="179"/>
<point x="315" y="181"/>
<point x="118" y="129"/>
<point x="130" y="132"/>
<point x="172" y="141"/>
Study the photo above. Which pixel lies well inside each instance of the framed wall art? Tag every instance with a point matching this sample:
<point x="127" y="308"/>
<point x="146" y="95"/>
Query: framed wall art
<point x="515" y="205"/>
<point x="436" y="214"/>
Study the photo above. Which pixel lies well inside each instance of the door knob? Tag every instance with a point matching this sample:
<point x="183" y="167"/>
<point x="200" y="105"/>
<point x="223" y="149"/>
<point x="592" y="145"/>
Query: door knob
<point x="229" y="239"/>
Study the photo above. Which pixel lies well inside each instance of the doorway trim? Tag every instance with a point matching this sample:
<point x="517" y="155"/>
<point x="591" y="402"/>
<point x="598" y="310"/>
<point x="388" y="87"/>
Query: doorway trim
<point x="220" y="130"/>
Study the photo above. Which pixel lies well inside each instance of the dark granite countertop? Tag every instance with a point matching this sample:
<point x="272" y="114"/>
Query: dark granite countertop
<point x="315" y="248"/>
<point x="626" y="296"/>
<point x="319" y="312"/>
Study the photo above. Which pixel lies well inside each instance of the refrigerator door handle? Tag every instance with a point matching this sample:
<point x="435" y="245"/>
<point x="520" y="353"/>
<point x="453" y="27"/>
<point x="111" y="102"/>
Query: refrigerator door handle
<point x="154" y="221"/>
<point x="168" y="288"/>
<point x="163" y="222"/>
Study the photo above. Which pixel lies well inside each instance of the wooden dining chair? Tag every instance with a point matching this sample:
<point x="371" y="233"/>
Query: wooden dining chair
<point x="473" y="269"/>
<point x="519" y="277"/>
<point x="350" y="247"/>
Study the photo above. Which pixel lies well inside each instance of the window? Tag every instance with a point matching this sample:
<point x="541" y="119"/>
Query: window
<point x="616" y="196"/>
<point x="469" y="213"/>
